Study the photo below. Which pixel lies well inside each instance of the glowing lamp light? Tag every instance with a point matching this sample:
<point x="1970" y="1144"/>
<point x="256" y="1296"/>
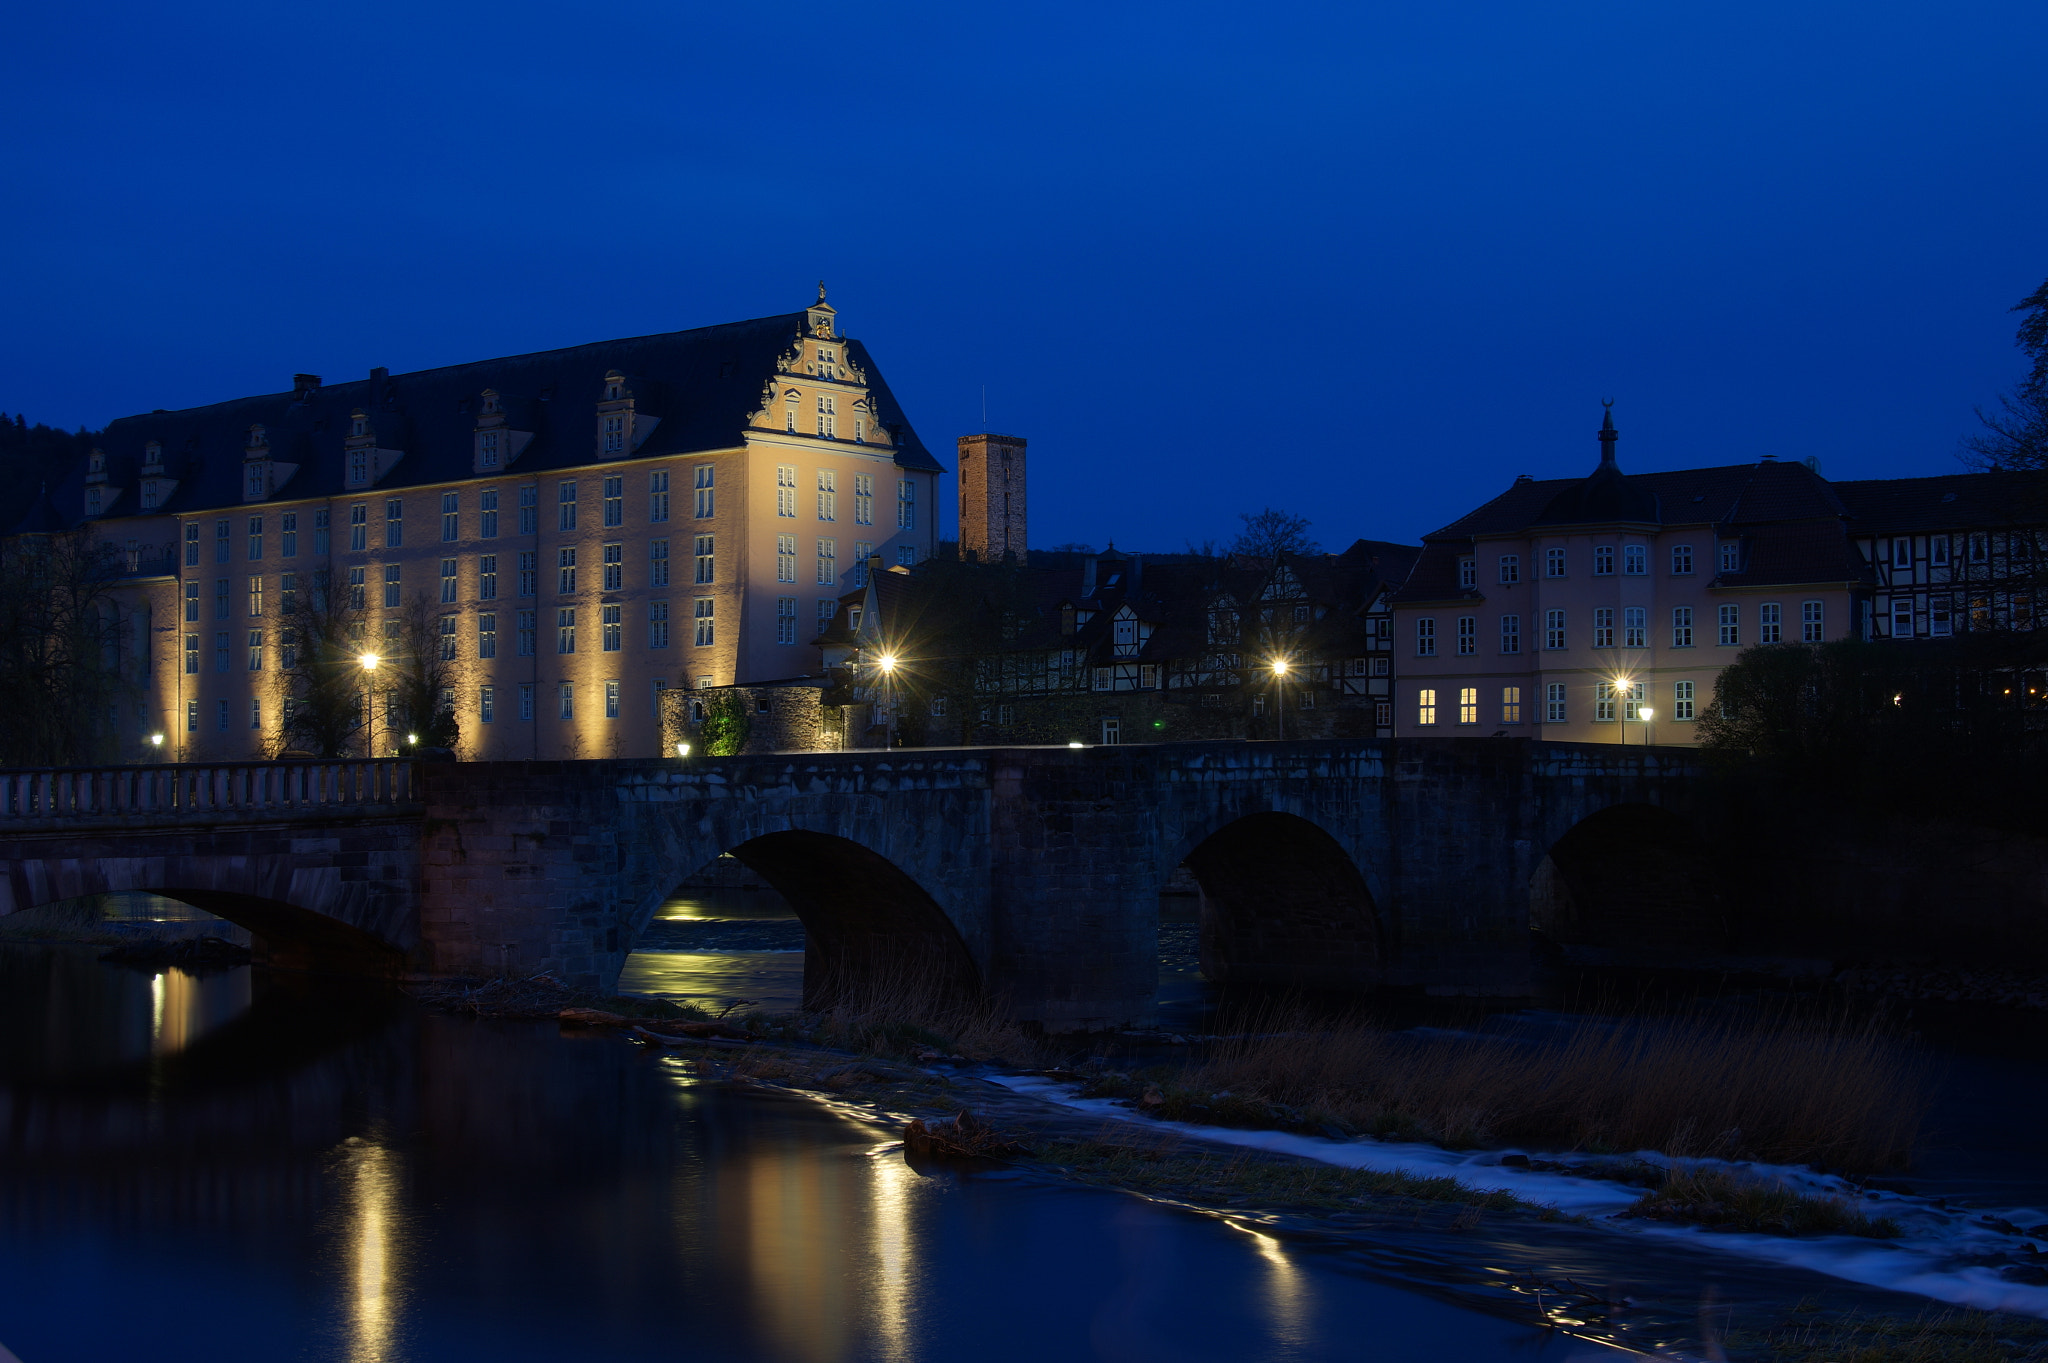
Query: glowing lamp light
<point x="682" y="750"/>
<point x="1076" y="744"/>
<point x="369" y="662"/>
<point x="1648" y="713"/>
<point x="887" y="662"/>
<point x="156" y="740"/>
<point x="1279" y="667"/>
<point x="412" y="738"/>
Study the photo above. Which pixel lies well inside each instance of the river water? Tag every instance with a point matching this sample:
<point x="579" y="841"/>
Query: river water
<point x="250" y="1166"/>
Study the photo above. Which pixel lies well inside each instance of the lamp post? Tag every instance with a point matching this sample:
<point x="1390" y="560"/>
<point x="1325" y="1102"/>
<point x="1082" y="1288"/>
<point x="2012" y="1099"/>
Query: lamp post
<point x="1280" y="696"/>
<point x="156" y="745"/>
<point x="369" y="663"/>
<point x="1648" y="715"/>
<point x="887" y="662"/>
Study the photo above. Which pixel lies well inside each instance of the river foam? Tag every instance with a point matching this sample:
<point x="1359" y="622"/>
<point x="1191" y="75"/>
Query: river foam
<point x="1940" y="1255"/>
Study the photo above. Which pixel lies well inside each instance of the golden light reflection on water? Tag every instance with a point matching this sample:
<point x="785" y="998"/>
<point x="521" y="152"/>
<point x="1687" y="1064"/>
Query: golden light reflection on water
<point x="1286" y="1290"/>
<point x="371" y="1179"/>
<point x="890" y="1290"/>
<point x="183" y="1007"/>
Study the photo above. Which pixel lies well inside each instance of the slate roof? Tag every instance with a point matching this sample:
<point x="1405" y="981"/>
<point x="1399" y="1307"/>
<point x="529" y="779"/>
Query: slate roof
<point x="701" y="384"/>
<point x="1954" y="501"/>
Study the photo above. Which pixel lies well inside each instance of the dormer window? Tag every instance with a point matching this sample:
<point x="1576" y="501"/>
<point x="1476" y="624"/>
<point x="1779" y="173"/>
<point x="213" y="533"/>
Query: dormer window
<point x="613" y="390"/>
<point x="492" y="406"/>
<point x="92" y="501"/>
<point x="1731" y="556"/>
<point x="96" y="464"/>
<point x="152" y="494"/>
<point x="614" y="434"/>
<point x="256" y="438"/>
<point x="358" y="424"/>
<point x="253" y="479"/>
<point x="487" y="449"/>
<point x="358" y="467"/>
<point x="152" y="455"/>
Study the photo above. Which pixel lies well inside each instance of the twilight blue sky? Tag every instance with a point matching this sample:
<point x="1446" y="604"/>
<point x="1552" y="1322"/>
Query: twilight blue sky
<point x="1363" y="261"/>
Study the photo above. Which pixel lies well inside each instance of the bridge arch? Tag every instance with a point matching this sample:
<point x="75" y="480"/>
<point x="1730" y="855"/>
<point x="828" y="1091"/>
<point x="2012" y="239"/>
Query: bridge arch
<point x="1283" y="903"/>
<point x="870" y="930"/>
<point x="1629" y="881"/>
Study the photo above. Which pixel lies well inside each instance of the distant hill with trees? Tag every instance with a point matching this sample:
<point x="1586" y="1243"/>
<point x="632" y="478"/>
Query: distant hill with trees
<point x="31" y="456"/>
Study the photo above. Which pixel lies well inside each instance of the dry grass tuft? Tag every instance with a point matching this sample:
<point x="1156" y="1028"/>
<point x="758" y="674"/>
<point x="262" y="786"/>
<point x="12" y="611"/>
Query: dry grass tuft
<point x="1730" y="1201"/>
<point x="1783" y="1090"/>
<point x="905" y="1017"/>
<point x="1935" y="1337"/>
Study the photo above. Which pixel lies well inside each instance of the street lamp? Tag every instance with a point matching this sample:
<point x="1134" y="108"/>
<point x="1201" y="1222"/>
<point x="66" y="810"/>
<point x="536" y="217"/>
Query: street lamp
<point x="156" y="742"/>
<point x="369" y="663"/>
<point x="1648" y="715"/>
<point x="682" y="750"/>
<point x="887" y="662"/>
<point x="1280" y="695"/>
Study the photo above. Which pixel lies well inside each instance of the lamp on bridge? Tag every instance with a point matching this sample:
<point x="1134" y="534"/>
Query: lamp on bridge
<point x="1280" y="666"/>
<point x="887" y="662"/>
<point x="682" y="750"/>
<point x="369" y="663"/>
<point x="156" y="743"/>
<point x="1648" y="715"/>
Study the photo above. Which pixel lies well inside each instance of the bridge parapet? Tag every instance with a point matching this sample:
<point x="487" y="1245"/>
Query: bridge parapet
<point x="80" y="797"/>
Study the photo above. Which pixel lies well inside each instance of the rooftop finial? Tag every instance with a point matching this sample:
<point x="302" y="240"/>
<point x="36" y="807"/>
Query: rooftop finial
<point x="821" y="291"/>
<point x="1608" y="435"/>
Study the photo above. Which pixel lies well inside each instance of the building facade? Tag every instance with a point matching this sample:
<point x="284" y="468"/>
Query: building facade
<point x="582" y="530"/>
<point x="992" y="497"/>
<point x="1605" y="608"/>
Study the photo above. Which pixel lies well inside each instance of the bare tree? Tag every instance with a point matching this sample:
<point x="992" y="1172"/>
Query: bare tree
<point x="1271" y="533"/>
<point x="60" y="650"/>
<point x="425" y="672"/>
<point x="321" y="670"/>
<point x="2015" y="435"/>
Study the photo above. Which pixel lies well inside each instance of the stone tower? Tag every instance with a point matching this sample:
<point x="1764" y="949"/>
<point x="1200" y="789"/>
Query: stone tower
<point x="992" y="496"/>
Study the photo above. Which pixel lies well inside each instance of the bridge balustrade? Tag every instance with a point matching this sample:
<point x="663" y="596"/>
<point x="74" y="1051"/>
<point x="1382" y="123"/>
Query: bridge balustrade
<point x="243" y="787"/>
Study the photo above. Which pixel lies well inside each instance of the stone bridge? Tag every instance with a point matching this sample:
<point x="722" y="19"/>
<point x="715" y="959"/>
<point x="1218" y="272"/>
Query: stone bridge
<point x="1032" y="874"/>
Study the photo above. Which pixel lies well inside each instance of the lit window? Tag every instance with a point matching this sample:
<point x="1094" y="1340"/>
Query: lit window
<point x="1425" y="638"/>
<point x="1682" y="700"/>
<point x="1681" y="626"/>
<point x="1603" y="560"/>
<point x="785" y="619"/>
<point x="1425" y="706"/>
<point x="1468" y="705"/>
<point x="1510" y="569"/>
<point x="1812" y="628"/>
<point x="1553" y="703"/>
<point x="1635" y="560"/>
<point x="1468" y="634"/>
<point x="1511" y="634"/>
<point x="1553" y="629"/>
<point x="255" y="596"/>
<point x="1603" y="627"/>
<point x="1553" y="563"/>
<point x="1511" y="705"/>
<point x="1731" y="624"/>
<point x="1769" y="623"/>
<point x="1681" y="560"/>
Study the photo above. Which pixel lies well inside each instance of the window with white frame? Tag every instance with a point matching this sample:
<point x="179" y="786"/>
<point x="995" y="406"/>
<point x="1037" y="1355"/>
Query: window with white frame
<point x="356" y="587"/>
<point x="1635" y="559"/>
<point x="393" y="594"/>
<point x="705" y="475"/>
<point x="526" y="710"/>
<point x="1510" y="569"/>
<point x="1940" y="621"/>
<point x="191" y="655"/>
<point x="1812" y="621"/>
<point x="1731" y="556"/>
<point x="528" y="632"/>
<point x="1902" y="617"/>
<point x="1682" y="700"/>
<point x="565" y="506"/>
<point x="1553" y="629"/>
<point x="1468" y="572"/>
<point x="1603" y="627"/>
<point x="1468" y="634"/>
<point x="1553" y="562"/>
<point x="706" y="561"/>
<point x="1425" y="638"/>
<point x="611" y="699"/>
<point x="448" y="581"/>
<point x="487" y="450"/>
<point x="192" y="601"/>
<point x="906" y="505"/>
<point x="614" y="434"/>
<point x="785" y="558"/>
<point x="614" y="567"/>
<point x="1511" y="634"/>
<point x="565" y="572"/>
<point x="1730" y="618"/>
<point x="451" y="517"/>
<point x="255" y="650"/>
<point x="1603" y="702"/>
<point x="1603" y="560"/>
<point x="1632" y="701"/>
<point x="1468" y="705"/>
<point x="449" y="637"/>
<point x="1770" y="623"/>
<point x="705" y="609"/>
<point x="785" y="619"/>
<point x="906" y="555"/>
<point x="487" y="704"/>
<point x="529" y="510"/>
<point x="1635" y="627"/>
<point x="614" y="502"/>
<point x="657" y="624"/>
<point x="487" y="635"/>
<point x="828" y="563"/>
<point x="255" y="596"/>
<point x="1425" y="706"/>
<point x="828" y="415"/>
<point x="611" y="627"/>
<point x="487" y="577"/>
<point x="192" y="545"/>
<point x="358" y="528"/>
<point x="657" y="563"/>
<point x="657" y="496"/>
<point x="828" y="495"/>
<point x="1681" y="560"/>
<point x="1937" y="551"/>
<point x="785" y="490"/>
<point x="565" y="629"/>
<point x="566" y="696"/>
<point x="1511" y="705"/>
<point x="863" y="499"/>
<point x="529" y="572"/>
<point x="1902" y="552"/>
<point x="1681" y="626"/>
<point x="1553" y="703"/>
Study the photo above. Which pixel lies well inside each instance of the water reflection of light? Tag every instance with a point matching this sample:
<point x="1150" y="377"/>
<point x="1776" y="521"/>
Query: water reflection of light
<point x="797" y="1222"/>
<point x="156" y="1013"/>
<point x="371" y="1177"/>
<point x="1286" y="1291"/>
<point x="890" y="1291"/>
<point x="183" y="1006"/>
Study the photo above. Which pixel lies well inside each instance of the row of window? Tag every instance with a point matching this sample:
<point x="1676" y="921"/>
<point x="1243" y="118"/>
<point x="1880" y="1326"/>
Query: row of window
<point x="1634" y="628"/>
<point x="1978" y="548"/>
<point x="1634" y="560"/>
<point x="1610" y="700"/>
<point x="828" y="497"/>
<point x="612" y="575"/>
<point x="486" y="704"/>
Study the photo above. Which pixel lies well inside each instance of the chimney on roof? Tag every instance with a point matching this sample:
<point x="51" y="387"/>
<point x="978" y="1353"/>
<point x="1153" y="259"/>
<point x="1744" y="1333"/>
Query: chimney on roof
<point x="1608" y="435"/>
<point x="377" y="377"/>
<point x="304" y="386"/>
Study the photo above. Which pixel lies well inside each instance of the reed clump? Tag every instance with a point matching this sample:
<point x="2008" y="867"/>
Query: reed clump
<point x="1727" y="1200"/>
<point x="1784" y="1090"/>
<point x="901" y="1015"/>
<point x="1932" y="1337"/>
